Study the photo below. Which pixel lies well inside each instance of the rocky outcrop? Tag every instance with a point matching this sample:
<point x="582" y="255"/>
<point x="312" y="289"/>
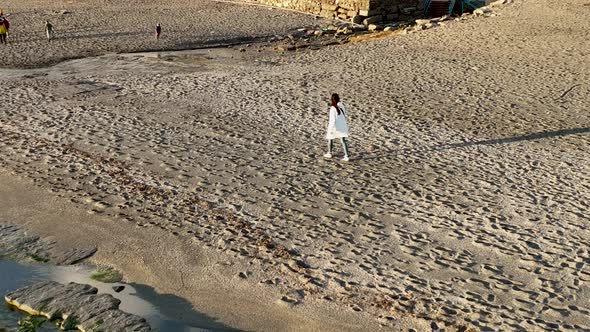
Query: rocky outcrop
<point x="358" y="11"/>
<point x="15" y="242"/>
<point x="78" y="305"/>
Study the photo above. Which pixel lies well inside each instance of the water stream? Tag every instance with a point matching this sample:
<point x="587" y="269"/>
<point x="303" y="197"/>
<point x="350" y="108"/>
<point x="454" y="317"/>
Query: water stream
<point x="163" y="312"/>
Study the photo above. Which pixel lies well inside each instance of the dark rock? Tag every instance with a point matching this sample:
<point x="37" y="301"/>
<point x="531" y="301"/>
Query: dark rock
<point x="91" y="310"/>
<point x="375" y="27"/>
<point x="373" y="19"/>
<point x="302" y="264"/>
<point x="289" y="301"/>
<point x="17" y="243"/>
<point x="118" y="288"/>
<point x="370" y="12"/>
<point x="358" y="19"/>
<point x="358" y="28"/>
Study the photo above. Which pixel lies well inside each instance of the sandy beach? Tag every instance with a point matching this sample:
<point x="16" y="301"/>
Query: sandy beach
<point x="464" y="207"/>
<point x="87" y="28"/>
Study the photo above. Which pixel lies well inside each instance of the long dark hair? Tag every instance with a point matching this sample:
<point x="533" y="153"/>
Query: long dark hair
<point x="335" y="100"/>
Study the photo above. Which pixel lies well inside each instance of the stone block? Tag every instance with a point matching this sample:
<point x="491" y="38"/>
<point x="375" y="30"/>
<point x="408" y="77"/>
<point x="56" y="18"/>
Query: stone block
<point x="327" y="13"/>
<point x="370" y="12"/>
<point x="329" y="7"/>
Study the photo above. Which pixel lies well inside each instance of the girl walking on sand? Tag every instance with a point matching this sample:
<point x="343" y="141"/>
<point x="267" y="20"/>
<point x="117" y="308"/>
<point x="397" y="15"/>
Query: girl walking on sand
<point x="337" y="127"/>
<point x="4" y="26"/>
<point x="49" y="30"/>
<point x="158" y="30"/>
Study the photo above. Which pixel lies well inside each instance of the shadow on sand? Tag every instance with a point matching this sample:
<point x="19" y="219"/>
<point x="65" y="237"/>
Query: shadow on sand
<point x="522" y="138"/>
<point x="180" y="311"/>
<point x="508" y="140"/>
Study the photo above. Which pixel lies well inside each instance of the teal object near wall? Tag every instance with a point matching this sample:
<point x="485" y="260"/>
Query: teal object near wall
<point x="427" y="7"/>
<point x="467" y="5"/>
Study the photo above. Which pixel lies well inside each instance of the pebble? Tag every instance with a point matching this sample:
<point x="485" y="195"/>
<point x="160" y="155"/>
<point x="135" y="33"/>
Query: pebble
<point x="118" y="288"/>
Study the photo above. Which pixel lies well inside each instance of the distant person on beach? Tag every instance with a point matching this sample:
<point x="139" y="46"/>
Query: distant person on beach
<point x="337" y="127"/>
<point x="158" y="31"/>
<point x="49" y="30"/>
<point x="4" y="26"/>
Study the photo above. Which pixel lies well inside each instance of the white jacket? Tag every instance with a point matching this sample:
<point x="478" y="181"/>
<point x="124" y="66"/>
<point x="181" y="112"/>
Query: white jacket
<point x="337" y="126"/>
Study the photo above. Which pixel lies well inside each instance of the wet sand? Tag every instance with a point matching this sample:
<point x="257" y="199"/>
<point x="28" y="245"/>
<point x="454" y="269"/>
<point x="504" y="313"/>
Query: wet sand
<point x="465" y="204"/>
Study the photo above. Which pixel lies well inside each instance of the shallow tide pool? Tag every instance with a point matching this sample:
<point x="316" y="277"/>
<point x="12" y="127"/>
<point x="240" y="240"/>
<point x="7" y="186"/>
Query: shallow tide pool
<point x="163" y="312"/>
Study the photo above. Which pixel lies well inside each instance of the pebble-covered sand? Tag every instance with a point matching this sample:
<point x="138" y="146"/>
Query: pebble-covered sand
<point x="465" y="204"/>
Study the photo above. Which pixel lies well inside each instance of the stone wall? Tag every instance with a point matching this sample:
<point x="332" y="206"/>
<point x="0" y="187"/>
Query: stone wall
<point x="358" y="11"/>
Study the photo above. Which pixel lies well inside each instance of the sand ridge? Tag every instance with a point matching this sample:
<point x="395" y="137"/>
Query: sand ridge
<point x="466" y="202"/>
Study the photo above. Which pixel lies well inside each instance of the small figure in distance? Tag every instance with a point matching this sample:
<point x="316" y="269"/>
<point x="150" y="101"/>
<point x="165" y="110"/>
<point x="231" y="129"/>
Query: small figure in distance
<point x="49" y="30"/>
<point x="158" y="30"/>
<point x="337" y="127"/>
<point x="4" y="26"/>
